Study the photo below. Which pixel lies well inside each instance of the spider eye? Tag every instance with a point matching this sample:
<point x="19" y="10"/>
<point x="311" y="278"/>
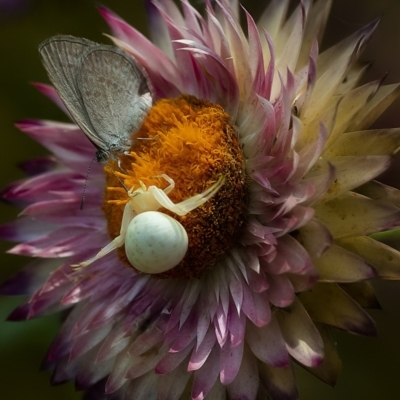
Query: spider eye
<point x="155" y="242"/>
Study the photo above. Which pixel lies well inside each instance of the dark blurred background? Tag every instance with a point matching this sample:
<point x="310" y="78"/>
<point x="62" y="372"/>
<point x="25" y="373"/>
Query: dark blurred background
<point x="371" y="366"/>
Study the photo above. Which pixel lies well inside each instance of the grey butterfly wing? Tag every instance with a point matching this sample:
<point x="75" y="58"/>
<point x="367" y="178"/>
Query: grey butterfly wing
<point x="62" y="57"/>
<point x="115" y="94"/>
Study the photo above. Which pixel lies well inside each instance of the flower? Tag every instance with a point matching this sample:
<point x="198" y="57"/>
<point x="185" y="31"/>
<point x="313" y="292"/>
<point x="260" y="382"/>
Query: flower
<point x="271" y="135"/>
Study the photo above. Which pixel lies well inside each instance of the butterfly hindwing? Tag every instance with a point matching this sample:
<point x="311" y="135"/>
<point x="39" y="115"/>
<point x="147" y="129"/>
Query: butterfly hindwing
<point x="115" y="94"/>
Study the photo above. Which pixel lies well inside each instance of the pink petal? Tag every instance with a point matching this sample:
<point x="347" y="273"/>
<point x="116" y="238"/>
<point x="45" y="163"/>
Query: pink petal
<point x="245" y="385"/>
<point x="230" y="361"/>
<point x="206" y="377"/>
<point x="267" y="344"/>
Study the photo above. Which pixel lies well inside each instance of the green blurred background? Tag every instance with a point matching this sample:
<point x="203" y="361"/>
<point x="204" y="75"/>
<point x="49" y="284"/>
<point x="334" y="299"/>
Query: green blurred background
<point x="371" y="366"/>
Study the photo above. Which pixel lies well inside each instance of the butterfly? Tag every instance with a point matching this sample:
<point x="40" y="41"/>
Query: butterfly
<point x="106" y="91"/>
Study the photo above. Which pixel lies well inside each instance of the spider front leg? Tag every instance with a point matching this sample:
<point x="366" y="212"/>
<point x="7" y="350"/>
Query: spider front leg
<point x="187" y="205"/>
<point x="171" y="182"/>
<point x="117" y="242"/>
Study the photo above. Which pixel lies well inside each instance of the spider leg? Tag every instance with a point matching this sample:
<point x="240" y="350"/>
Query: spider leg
<point x="169" y="180"/>
<point x="117" y="242"/>
<point x="187" y="205"/>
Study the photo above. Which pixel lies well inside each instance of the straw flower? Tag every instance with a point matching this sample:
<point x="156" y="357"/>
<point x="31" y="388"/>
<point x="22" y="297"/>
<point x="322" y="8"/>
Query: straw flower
<point x="234" y="233"/>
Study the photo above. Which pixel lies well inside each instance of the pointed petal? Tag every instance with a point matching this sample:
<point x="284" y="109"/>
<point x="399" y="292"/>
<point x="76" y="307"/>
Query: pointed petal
<point x="143" y="388"/>
<point x="363" y="293"/>
<point x="349" y="106"/>
<point x="280" y="383"/>
<point x="329" y="304"/>
<point x="331" y="367"/>
<point x="171" y="386"/>
<point x="245" y="385"/>
<point x="315" y="238"/>
<point x="302" y="338"/>
<point x="383" y="258"/>
<point x="340" y="265"/>
<point x="206" y="377"/>
<point x="378" y="104"/>
<point x="355" y="215"/>
<point x="377" y="142"/>
<point x="230" y="360"/>
<point x="273" y="17"/>
<point x="379" y="191"/>
<point x="267" y="344"/>
<point x="315" y="26"/>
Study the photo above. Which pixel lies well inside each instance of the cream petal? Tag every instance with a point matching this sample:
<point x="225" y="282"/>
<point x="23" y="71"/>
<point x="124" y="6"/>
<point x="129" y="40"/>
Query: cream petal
<point x="143" y="388"/>
<point x="383" y="258"/>
<point x="90" y="373"/>
<point x="113" y="344"/>
<point x="324" y="88"/>
<point x="139" y="365"/>
<point x="349" y="106"/>
<point x="344" y="49"/>
<point x="272" y="19"/>
<point x="315" y="26"/>
<point x="256" y="61"/>
<point x="315" y="238"/>
<point x="331" y="367"/>
<point x="379" y="191"/>
<point x="238" y="46"/>
<point x="280" y="383"/>
<point x="118" y="373"/>
<point x="321" y="176"/>
<point x="353" y="76"/>
<point x="365" y="143"/>
<point x="171" y="386"/>
<point x="340" y="265"/>
<point x="373" y="109"/>
<point x="288" y="43"/>
<point x="218" y="392"/>
<point x="353" y="171"/>
<point x="363" y="293"/>
<point x="329" y="304"/>
<point x="86" y="342"/>
<point x="311" y="129"/>
<point x="302" y="338"/>
<point x="355" y="215"/>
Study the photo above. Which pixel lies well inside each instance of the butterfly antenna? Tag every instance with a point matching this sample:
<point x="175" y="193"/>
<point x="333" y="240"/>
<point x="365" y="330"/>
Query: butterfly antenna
<point x="86" y="180"/>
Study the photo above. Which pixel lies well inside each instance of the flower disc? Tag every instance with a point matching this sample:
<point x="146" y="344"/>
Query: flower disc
<point x="193" y="142"/>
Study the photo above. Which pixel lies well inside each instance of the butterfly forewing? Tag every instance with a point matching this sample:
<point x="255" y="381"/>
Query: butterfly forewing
<point x="115" y="94"/>
<point x="105" y="91"/>
<point x="61" y="57"/>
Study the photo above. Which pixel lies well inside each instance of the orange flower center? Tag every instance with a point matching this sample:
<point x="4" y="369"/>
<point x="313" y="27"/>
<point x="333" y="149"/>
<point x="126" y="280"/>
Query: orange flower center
<point x="193" y="142"/>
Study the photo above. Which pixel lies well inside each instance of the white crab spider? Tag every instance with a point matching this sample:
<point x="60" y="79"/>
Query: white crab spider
<point x="154" y="242"/>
